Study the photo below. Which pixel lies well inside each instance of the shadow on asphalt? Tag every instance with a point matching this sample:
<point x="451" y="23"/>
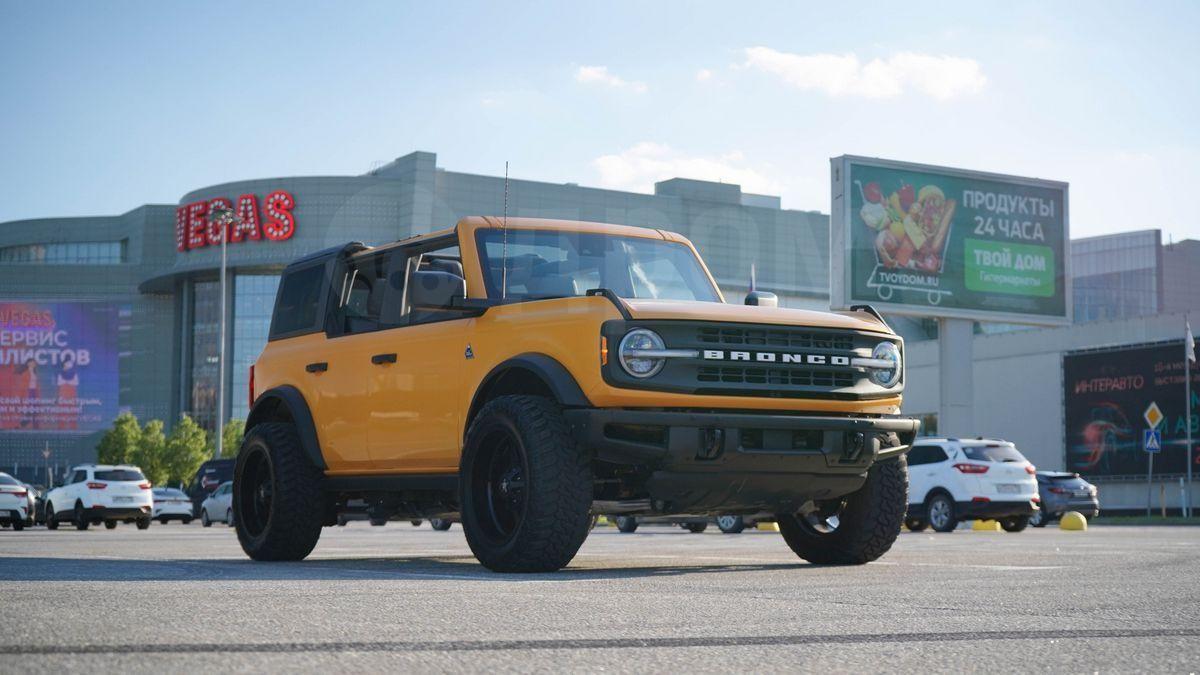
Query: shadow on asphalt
<point x="415" y="568"/>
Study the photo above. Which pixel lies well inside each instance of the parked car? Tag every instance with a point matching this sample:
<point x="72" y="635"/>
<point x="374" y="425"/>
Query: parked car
<point x="730" y="524"/>
<point x="950" y="480"/>
<point x="33" y="494"/>
<point x="101" y="493"/>
<point x="172" y="504"/>
<point x="693" y="524"/>
<point x="1061" y="492"/>
<point x="14" y="502"/>
<point x="208" y="478"/>
<point x="218" y="506"/>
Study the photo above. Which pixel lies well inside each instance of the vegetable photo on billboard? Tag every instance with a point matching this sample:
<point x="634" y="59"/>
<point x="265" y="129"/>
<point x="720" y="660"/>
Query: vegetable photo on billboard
<point x="942" y="242"/>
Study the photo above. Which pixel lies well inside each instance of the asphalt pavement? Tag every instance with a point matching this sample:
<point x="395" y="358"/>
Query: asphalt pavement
<point x="179" y="598"/>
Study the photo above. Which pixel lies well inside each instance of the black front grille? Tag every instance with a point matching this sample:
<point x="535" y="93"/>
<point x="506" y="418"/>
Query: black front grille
<point x="797" y="377"/>
<point x="773" y="337"/>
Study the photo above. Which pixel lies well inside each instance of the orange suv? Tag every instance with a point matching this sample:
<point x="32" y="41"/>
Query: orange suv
<point x="519" y="376"/>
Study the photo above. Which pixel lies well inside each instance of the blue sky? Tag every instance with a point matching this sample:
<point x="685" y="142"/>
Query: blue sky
<point x="111" y="105"/>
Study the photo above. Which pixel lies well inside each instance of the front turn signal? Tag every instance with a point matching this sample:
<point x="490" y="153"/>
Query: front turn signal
<point x="603" y="351"/>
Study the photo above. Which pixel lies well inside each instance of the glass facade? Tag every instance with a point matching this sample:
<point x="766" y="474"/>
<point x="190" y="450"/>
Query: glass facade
<point x="253" y="300"/>
<point x="206" y="312"/>
<point x="1116" y="276"/>
<point x="73" y="253"/>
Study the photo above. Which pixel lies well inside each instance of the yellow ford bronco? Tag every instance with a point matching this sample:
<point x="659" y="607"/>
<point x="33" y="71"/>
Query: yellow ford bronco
<point x="521" y="376"/>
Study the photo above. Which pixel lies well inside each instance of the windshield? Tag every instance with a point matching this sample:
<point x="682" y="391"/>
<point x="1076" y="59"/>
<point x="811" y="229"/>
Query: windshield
<point x="555" y="264"/>
<point x="120" y="474"/>
<point x="993" y="453"/>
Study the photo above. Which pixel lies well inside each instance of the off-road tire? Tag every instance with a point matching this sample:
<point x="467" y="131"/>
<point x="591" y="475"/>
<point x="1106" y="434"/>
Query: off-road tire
<point x="869" y="520"/>
<point x="627" y="524"/>
<point x="1014" y="523"/>
<point x="440" y="524"/>
<point x="287" y="524"/>
<point x="556" y="485"/>
<point x="695" y="528"/>
<point x="110" y="524"/>
<point x="731" y="524"/>
<point x="51" y="523"/>
<point x="81" y="521"/>
<point x="916" y="524"/>
<point x="950" y="523"/>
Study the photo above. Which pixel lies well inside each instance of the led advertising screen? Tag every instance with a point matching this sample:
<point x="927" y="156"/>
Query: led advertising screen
<point x="1106" y="394"/>
<point x="58" y="366"/>
<point x="939" y="242"/>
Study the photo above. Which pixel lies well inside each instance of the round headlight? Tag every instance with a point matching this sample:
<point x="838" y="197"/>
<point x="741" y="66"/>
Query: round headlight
<point x="886" y="377"/>
<point x="639" y="340"/>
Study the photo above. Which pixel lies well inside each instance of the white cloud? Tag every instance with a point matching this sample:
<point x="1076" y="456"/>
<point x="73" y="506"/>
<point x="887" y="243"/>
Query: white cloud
<point x="639" y="167"/>
<point x="703" y="75"/>
<point x="600" y="75"/>
<point x="940" y="77"/>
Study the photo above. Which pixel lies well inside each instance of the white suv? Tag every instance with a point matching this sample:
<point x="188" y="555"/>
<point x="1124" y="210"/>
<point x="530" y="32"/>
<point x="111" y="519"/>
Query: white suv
<point x="950" y="480"/>
<point x="14" y="502"/>
<point x="101" y="493"/>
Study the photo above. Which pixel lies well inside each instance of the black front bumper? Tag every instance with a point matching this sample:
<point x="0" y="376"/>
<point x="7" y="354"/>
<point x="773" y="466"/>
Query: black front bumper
<point x="700" y="462"/>
<point x="993" y="510"/>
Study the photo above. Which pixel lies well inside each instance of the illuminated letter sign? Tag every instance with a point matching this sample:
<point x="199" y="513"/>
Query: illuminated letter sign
<point x="275" y="223"/>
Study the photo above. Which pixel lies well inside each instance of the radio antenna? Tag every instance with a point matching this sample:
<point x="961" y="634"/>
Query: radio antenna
<point x="504" y="245"/>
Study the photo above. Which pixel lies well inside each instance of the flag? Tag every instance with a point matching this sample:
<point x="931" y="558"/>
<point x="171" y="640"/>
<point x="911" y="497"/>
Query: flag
<point x="1189" y="344"/>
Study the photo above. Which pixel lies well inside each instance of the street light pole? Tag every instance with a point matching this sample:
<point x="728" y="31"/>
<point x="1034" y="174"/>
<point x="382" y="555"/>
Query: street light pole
<point x="225" y="218"/>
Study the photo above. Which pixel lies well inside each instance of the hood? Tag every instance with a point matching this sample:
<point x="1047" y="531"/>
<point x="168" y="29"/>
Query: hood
<point x="687" y="310"/>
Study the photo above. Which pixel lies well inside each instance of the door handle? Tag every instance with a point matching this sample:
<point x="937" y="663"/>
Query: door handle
<point x="380" y="359"/>
<point x="318" y="367"/>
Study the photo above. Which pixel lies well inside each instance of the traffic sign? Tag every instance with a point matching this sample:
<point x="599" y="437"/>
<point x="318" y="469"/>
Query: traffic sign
<point x="1153" y="415"/>
<point x="1152" y="440"/>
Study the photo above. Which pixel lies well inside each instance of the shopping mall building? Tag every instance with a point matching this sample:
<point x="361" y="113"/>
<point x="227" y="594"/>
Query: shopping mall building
<point x="121" y="312"/>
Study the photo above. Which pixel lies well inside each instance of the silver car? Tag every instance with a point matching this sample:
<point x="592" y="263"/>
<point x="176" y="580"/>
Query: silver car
<point x="218" y="506"/>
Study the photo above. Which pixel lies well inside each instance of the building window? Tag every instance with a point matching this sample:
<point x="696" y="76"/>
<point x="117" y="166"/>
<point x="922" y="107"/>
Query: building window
<point x="71" y="253"/>
<point x="206" y="312"/>
<point x="253" y="300"/>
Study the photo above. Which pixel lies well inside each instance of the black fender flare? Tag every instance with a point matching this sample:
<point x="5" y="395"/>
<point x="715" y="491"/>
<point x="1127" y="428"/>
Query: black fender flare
<point x="553" y="374"/>
<point x="266" y="408"/>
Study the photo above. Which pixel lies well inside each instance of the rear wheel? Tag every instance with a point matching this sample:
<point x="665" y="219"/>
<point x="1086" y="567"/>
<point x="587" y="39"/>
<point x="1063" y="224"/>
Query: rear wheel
<point x="278" y="506"/>
<point x="857" y="528"/>
<point x="915" y="524"/>
<point x="81" y="521"/>
<point x="627" y="524"/>
<point x="526" y="486"/>
<point x="110" y="524"/>
<point x="731" y="524"/>
<point x="378" y="522"/>
<point x="162" y="521"/>
<point x="143" y="523"/>
<point x="229" y="517"/>
<point x="695" y="528"/>
<point x="941" y="513"/>
<point x="18" y="525"/>
<point x="1014" y="523"/>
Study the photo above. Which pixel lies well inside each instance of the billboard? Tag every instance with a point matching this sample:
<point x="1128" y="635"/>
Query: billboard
<point x="58" y="366"/>
<point x="1106" y="394"/>
<point x="932" y="241"/>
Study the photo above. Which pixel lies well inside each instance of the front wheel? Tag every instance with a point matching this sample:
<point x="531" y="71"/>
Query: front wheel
<point x="915" y="524"/>
<point x="1039" y="518"/>
<point x="857" y="528"/>
<point x="526" y="486"/>
<point x="51" y="523"/>
<point x="1014" y="523"/>
<point x="627" y="524"/>
<point x="18" y="525"/>
<point x="110" y="524"/>
<point x="143" y="523"/>
<point x="695" y="528"/>
<point x="278" y="506"/>
<point x="81" y="521"/>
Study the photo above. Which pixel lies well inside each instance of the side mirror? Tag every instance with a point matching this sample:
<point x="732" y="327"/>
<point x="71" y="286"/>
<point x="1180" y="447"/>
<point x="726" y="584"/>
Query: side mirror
<point x="436" y="290"/>
<point x="762" y="299"/>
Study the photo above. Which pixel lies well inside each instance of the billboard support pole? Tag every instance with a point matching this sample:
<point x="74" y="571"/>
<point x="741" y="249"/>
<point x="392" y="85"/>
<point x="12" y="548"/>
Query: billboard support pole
<point x="956" y="386"/>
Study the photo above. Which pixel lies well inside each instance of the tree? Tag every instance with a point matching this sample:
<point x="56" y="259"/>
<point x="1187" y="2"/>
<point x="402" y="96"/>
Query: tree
<point x="119" y="443"/>
<point x="231" y="437"/>
<point x="151" y="453"/>
<point x="186" y="450"/>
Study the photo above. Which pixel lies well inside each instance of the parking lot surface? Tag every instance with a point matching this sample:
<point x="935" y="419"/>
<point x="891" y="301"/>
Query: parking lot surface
<point x="178" y="597"/>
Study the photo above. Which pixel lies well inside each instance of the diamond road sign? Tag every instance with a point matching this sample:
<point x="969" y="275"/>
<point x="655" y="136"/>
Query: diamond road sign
<point x="1153" y="415"/>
